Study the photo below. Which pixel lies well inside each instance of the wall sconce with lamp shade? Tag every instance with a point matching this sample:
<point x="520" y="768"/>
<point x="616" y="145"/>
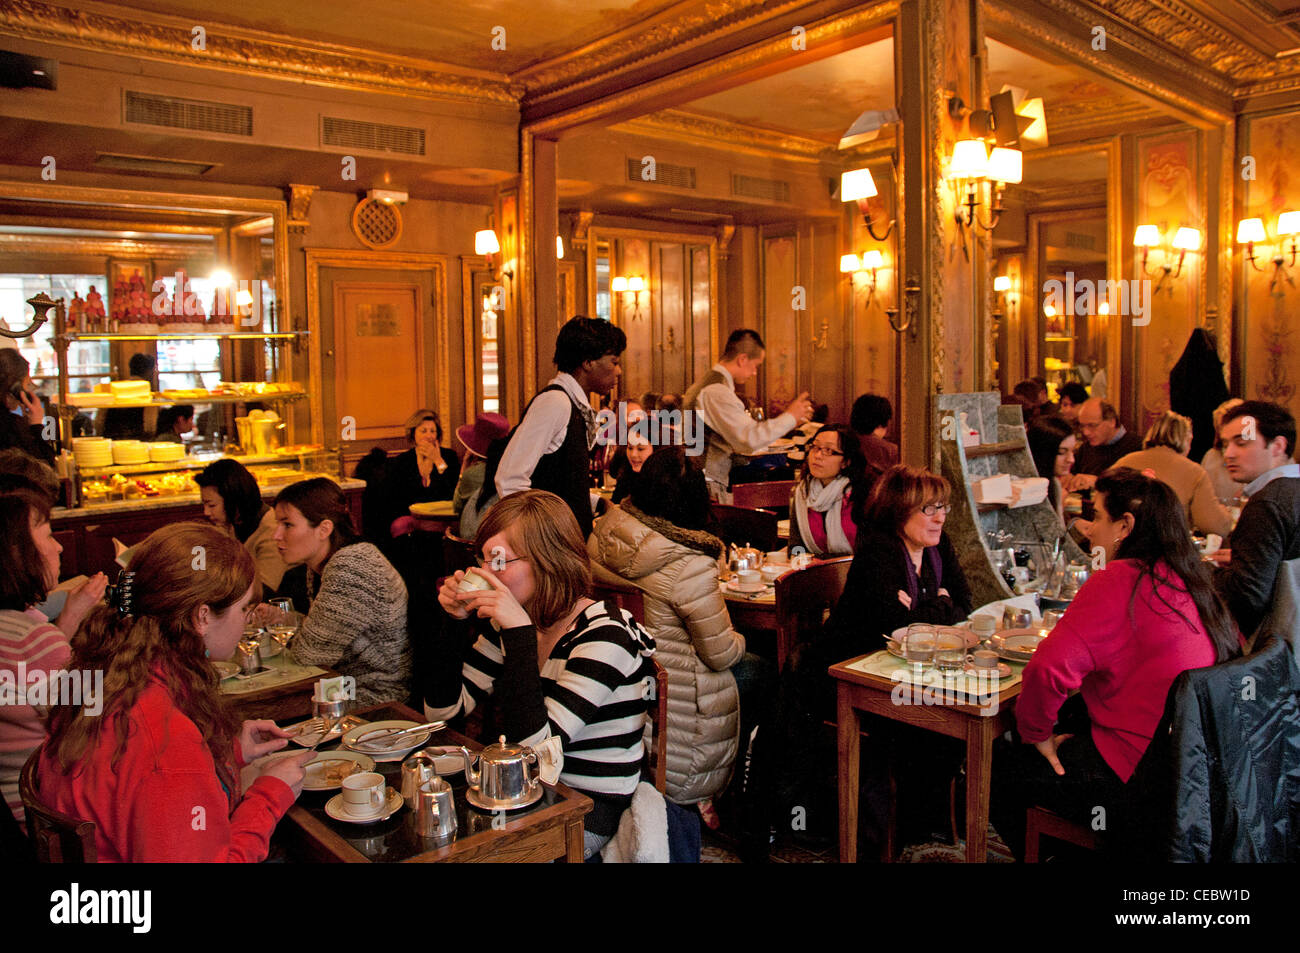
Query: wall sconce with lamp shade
<point x="858" y="186"/>
<point x="633" y="285"/>
<point x="867" y="264"/>
<point x="1250" y="231"/>
<point x="970" y="164"/>
<point x="1185" y="239"/>
<point x="485" y="243"/>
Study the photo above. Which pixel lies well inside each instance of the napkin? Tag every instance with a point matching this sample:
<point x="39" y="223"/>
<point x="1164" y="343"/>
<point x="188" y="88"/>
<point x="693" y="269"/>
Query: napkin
<point x="550" y="759"/>
<point x="330" y="689"/>
<point x="1027" y="601"/>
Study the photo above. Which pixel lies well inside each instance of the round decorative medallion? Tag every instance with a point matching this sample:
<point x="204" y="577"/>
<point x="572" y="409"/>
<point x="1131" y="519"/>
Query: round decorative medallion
<point x="377" y="224"/>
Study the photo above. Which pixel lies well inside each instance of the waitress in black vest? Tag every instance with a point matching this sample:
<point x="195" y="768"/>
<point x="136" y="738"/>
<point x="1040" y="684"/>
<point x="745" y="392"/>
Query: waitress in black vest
<point x="551" y="447"/>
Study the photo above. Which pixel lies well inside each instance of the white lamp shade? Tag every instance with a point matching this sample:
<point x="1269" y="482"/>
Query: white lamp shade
<point x="1146" y="236"/>
<point x="636" y="283"/>
<point x="1187" y="239"/>
<point x="559" y="246"/>
<point x="1103" y="308"/>
<point x="485" y="242"/>
<point x="1049" y="310"/>
<point x="1288" y="223"/>
<point x="970" y="160"/>
<point x="244" y="298"/>
<point x="221" y="278"/>
<point x="1006" y="165"/>
<point x="618" y="284"/>
<point x="857" y="184"/>
<point x="849" y="263"/>
<point x="873" y="259"/>
<point x="1250" y="230"/>
<point x="1002" y="283"/>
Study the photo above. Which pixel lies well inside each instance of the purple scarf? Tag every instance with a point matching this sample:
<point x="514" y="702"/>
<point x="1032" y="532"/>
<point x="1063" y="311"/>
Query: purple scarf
<point x="930" y="555"/>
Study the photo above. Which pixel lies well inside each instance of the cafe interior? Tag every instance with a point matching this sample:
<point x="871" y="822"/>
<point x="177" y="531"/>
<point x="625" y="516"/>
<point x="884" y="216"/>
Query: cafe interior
<point x="293" y="236"/>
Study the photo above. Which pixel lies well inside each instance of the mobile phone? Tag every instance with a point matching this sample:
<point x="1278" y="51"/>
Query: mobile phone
<point x="17" y="390"/>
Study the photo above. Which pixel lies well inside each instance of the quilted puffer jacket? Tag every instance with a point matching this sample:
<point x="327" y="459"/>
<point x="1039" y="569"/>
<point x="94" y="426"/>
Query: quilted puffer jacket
<point x="1221" y="779"/>
<point x="677" y="571"/>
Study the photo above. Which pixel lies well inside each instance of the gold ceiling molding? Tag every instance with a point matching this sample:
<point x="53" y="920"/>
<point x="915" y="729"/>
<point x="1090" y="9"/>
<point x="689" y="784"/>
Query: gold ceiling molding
<point x="831" y="30"/>
<point x="1073" y="41"/>
<point x="641" y="44"/>
<point x="1196" y="38"/>
<point x="1080" y="120"/>
<point x="167" y="38"/>
<point x="104" y="247"/>
<point x="680" y="125"/>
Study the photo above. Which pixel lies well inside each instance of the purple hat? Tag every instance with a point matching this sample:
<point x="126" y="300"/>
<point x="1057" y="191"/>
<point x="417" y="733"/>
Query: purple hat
<point x="486" y="428"/>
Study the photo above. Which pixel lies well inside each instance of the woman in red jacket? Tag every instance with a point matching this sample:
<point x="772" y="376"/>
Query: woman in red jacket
<point x="157" y="769"/>
<point x="1149" y="615"/>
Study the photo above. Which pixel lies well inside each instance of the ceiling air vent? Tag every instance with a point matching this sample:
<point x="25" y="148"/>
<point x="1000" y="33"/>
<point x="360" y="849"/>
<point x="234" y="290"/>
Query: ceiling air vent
<point x="371" y="136"/>
<point x="193" y="114"/>
<point x="753" y="187"/>
<point x="678" y="176"/>
<point x="147" y="165"/>
<point x="1080" y="240"/>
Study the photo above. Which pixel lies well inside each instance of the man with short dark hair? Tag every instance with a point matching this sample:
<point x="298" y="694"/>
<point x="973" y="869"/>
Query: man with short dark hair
<point x="1105" y="441"/>
<point x="728" y="428"/>
<point x="1073" y="396"/>
<point x="1259" y="440"/>
<point x="551" y="447"/>
<point x="870" y="418"/>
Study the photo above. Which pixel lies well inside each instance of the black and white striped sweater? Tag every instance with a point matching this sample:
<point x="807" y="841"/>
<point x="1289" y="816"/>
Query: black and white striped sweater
<point x="592" y="694"/>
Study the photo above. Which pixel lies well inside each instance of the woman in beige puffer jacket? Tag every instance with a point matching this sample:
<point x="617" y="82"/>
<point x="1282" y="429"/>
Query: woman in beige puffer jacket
<point x="677" y="570"/>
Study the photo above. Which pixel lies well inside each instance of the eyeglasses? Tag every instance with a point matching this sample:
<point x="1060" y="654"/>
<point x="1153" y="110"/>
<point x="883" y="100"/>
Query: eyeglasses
<point x="827" y="451"/>
<point x="932" y="509"/>
<point x="495" y="563"/>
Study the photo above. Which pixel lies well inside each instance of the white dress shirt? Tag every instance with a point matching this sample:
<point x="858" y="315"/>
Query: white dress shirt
<point x="542" y="431"/>
<point x="722" y="410"/>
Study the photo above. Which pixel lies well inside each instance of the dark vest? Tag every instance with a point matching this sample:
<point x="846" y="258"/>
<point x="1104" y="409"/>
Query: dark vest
<point x="716" y="460"/>
<point x="566" y="472"/>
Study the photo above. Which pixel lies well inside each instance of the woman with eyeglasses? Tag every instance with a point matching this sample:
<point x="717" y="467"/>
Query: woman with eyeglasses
<point x="905" y="569"/>
<point x="829" y="500"/>
<point x="357" y="621"/>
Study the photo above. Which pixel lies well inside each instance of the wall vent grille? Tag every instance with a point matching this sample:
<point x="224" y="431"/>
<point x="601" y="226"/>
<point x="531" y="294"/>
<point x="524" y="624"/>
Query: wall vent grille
<point x="371" y="136"/>
<point x="753" y="187"/>
<point x="196" y="115"/>
<point x="676" y="176"/>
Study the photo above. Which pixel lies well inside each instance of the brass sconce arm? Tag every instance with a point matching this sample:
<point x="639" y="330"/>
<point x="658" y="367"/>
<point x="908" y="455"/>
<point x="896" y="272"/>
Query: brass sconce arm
<point x="911" y="289"/>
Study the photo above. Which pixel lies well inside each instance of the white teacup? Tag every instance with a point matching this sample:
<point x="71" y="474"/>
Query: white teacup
<point x="748" y="578"/>
<point x="364" y="794"/>
<point x="472" y="581"/>
<point x="771" y="573"/>
<point x="778" y="557"/>
<point x="801" y="561"/>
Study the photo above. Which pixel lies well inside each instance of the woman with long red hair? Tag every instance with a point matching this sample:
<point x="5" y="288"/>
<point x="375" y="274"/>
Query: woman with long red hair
<point x="157" y="770"/>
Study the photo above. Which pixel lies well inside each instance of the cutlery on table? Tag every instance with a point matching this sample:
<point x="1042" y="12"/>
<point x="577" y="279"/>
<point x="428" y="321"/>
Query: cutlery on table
<point x="386" y="738"/>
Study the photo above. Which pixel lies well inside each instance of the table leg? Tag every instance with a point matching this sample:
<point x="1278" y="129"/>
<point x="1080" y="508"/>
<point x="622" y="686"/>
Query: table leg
<point x="573" y="847"/>
<point x="849" y="743"/>
<point x="979" y="769"/>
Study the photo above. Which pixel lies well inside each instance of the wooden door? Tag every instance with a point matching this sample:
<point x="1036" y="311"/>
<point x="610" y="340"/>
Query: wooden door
<point x="379" y="372"/>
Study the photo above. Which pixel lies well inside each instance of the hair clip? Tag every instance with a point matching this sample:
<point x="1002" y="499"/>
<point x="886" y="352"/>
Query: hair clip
<point x="122" y="591"/>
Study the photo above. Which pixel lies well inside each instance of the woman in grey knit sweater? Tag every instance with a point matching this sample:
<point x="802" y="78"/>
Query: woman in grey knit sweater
<point x="357" y="621"/>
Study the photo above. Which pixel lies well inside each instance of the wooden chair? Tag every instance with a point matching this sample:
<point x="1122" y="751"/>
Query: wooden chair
<point x="1040" y="822"/>
<point x="57" y="838"/>
<point x="606" y="586"/>
<point x="741" y="525"/>
<point x="771" y="494"/>
<point x="802" y="598"/>
<point x="657" y="743"/>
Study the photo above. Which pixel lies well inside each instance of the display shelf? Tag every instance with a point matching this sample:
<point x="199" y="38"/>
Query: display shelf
<point x="990" y="449"/>
<point x="194" y="462"/>
<point x="172" y="401"/>
<point x="190" y="336"/>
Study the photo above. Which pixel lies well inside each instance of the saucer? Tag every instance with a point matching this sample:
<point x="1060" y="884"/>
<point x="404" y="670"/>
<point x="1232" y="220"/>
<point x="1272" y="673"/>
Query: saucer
<point x="393" y="803"/>
<point x="756" y="587"/>
<point x="476" y="800"/>
<point x="1003" y="670"/>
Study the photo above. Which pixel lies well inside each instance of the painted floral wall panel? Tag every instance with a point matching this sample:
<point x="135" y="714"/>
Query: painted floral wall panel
<point x="1167" y="198"/>
<point x="1271" y="359"/>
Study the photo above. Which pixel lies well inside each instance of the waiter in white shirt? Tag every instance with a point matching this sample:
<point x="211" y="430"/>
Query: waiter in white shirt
<point x="551" y="447"/>
<point x="728" y="428"/>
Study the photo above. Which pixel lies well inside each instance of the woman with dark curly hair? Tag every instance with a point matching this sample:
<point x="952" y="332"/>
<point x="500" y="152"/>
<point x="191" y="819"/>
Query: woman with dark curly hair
<point x="157" y="770"/>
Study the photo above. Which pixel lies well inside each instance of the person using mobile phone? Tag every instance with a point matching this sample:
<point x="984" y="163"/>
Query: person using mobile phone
<point x="23" y="423"/>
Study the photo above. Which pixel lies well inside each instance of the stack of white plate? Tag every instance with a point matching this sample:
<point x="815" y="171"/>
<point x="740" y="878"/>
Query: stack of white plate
<point x="130" y="452"/>
<point x="92" y="451"/>
<point x="166" y="452"/>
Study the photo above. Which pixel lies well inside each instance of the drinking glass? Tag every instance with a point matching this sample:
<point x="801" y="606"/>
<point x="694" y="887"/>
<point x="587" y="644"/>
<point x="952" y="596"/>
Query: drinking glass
<point x="984" y="626"/>
<point x="949" y="650"/>
<point x="284" y="628"/>
<point x="918" y="646"/>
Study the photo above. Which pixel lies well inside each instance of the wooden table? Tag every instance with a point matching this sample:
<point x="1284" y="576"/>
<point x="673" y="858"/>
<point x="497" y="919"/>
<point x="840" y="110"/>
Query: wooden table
<point x="549" y="830"/>
<point x="752" y="615"/>
<point x="858" y="692"/>
<point x="279" y="700"/>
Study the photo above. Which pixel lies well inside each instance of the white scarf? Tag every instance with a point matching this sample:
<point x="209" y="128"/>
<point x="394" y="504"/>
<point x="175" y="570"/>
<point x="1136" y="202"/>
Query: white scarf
<point x="829" y="500"/>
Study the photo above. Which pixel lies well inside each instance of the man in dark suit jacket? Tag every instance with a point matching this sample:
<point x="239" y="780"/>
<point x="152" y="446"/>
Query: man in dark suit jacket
<point x="1105" y="441"/>
<point x="870" y="419"/>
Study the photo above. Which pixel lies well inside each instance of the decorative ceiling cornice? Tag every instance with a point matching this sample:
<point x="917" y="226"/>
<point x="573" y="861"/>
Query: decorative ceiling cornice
<point x="167" y="38"/>
<point x="680" y="125"/>
<point x="1084" y="119"/>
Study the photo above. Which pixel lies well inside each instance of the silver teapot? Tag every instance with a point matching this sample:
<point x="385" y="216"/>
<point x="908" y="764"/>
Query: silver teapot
<point x="507" y="776"/>
<point x="744" y="558"/>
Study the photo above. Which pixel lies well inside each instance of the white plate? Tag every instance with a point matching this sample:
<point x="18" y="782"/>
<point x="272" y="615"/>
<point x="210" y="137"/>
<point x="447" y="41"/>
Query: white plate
<point x="393" y="804"/>
<point x="226" y="670"/>
<point x="748" y="590"/>
<point x="316" y="781"/>
<point x="311" y="738"/>
<point x="1016" y="644"/>
<point x="448" y="764"/>
<point x="410" y="743"/>
<point x="971" y="638"/>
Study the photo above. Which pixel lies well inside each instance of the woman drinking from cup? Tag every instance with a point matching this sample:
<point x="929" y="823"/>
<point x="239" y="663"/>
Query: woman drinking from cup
<point x="357" y="621"/>
<point x="154" y="761"/>
<point x="1135" y="625"/>
<point x="560" y="664"/>
<point x="829" y="499"/>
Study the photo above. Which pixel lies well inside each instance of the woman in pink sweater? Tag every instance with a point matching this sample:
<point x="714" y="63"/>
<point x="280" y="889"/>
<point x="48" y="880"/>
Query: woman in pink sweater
<point x="1149" y="615"/>
<point x="158" y="769"/>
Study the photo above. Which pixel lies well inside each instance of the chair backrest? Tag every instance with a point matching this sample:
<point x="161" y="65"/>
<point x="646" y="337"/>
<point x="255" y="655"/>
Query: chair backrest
<point x="608" y="587"/>
<point x="741" y="525"/>
<point x="457" y="553"/>
<point x="57" y="838"/>
<point x="657" y="743"/>
<point x="802" y="597"/>
<point x="771" y="494"/>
